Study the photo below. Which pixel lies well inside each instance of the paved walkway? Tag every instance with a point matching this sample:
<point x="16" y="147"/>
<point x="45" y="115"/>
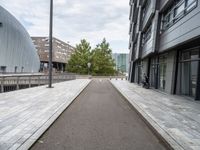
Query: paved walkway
<point x="26" y="114"/>
<point x="175" y="118"/>
<point x="99" y="119"/>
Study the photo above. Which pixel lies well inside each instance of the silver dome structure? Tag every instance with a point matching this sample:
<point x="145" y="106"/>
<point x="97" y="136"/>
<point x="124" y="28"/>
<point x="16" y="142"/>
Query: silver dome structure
<point x="17" y="52"/>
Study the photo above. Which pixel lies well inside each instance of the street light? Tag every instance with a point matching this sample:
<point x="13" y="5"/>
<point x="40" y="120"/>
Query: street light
<point x="89" y="65"/>
<point x="50" y="43"/>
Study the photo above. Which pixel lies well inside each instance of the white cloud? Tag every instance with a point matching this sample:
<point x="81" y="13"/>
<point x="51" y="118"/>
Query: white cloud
<point x="76" y="19"/>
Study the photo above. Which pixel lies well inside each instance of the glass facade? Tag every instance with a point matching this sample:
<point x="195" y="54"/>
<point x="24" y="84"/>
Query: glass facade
<point x="153" y="72"/>
<point x="162" y="72"/>
<point x="158" y="72"/>
<point x="146" y="35"/>
<point x="178" y="10"/>
<point x="138" y="73"/>
<point x="188" y="72"/>
<point x="121" y="61"/>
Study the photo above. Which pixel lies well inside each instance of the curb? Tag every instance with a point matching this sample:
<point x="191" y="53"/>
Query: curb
<point x="160" y="133"/>
<point x="34" y="137"/>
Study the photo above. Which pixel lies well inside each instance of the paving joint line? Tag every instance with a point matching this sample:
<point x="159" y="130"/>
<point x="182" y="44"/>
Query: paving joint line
<point x="40" y="131"/>
<point x="149" y="121"/>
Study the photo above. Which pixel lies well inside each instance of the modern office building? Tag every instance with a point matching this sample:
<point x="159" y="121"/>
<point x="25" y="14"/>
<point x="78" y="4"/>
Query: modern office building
<point x="61" y="52"/>
<point x="165" y="45"/>
<point x="17" y="52"/>
<point x="121" y="61"/>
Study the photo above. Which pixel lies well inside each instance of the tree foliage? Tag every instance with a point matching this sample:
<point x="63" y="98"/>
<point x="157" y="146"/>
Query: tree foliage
<point x="79" y="60"/>
<point x="100" y="58"/>
<point x="102" y="62"/>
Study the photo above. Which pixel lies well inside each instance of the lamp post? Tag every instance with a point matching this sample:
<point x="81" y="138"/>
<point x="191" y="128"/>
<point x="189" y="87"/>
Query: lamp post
<point x="50" y="43"/>
<point x="89" y="65"/>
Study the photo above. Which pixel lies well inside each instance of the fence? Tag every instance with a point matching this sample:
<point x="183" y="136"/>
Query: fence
<point x="21" y="81"/>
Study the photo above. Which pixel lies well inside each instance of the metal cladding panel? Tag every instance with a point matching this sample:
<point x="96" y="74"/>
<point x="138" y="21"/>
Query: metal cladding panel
<point x="16" y="47"/>
<point x="149" y="14"/>
<point x="164" y="4"/>
<point x="150" y="46"/>
<point x="138" y="47"/>
<point x="139" y="19"/>
<point x="184" y="30"/>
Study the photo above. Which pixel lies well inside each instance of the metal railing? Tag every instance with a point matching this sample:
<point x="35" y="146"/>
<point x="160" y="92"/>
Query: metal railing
<point x="11" y="82"/>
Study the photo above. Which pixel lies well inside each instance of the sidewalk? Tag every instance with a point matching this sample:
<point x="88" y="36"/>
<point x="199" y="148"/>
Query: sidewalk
<point x="176" y="119"/>
<point x="26" y="114"/>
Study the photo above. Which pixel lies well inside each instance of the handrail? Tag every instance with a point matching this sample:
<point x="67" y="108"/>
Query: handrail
<point x="13" y="82"/>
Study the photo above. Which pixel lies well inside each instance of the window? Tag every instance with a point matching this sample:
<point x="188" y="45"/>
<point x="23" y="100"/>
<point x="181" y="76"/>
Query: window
<point x="188" y="72"/>
<point x="146" y="7"/>
<point x="190" y="4"/>
<point x="176" y="11"/>
<point x="162" y="67"/>
<point x="153" y="72"/>
<point x="146" y="35"/>
<point x="179" y="9"/>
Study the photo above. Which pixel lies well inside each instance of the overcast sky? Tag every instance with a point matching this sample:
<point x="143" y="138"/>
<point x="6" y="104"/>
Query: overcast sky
<point x="76" y="19"/>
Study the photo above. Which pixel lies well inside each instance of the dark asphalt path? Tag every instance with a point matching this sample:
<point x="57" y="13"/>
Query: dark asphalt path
<point x="99" y="119"/>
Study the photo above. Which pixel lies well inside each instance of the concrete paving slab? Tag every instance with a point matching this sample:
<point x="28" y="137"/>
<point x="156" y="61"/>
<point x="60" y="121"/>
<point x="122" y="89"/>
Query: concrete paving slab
<point x="175" y="118"/>
<point x="26" y="114"/>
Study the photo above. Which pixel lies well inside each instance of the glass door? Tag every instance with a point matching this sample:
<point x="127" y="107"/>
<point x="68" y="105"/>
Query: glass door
<point x="189" y="72"/>
<point x="153" y="72"/>
<point x="162" y="72"/>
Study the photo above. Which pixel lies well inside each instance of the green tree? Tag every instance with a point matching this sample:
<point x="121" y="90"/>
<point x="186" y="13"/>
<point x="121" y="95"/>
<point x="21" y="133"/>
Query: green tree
<point x="79" y="60"/>
<point x="102" y="62"/>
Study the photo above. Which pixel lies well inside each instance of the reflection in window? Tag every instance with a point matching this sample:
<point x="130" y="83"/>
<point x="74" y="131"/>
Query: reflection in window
<point x="179" y="9"/>
<point x="176" y="11"/>
<point x="146" y="7"/>
<point x="146" y="35"/>
<point x="190" y="4"/>
<point x="189" y="62"/>
<point x="162" y="72"/>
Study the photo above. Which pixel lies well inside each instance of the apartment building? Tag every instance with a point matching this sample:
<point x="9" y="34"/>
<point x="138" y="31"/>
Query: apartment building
<point x="61" y="53"/>
<point x="165" y="45"/>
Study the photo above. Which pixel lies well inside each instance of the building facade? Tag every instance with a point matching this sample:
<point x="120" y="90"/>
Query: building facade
<point x="165" y="45"/>
<point x="61" y="52"/>
<point x="17" y="52"/>
<point x="121" y="61"/>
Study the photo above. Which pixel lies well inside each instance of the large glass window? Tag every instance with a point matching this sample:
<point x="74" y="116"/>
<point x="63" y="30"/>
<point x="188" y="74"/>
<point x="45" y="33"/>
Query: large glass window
<point x="162" y="72"/>
<point x="146" y="35"/>
<point x="179" y="9"/>
<point x="145" y="8"/>
<point x="176" y="11"/>
<point x="190" y="4"/>
<point x="138" y="73"/>
<point x="189" y="64"/>
<point x="153" y="72"/>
